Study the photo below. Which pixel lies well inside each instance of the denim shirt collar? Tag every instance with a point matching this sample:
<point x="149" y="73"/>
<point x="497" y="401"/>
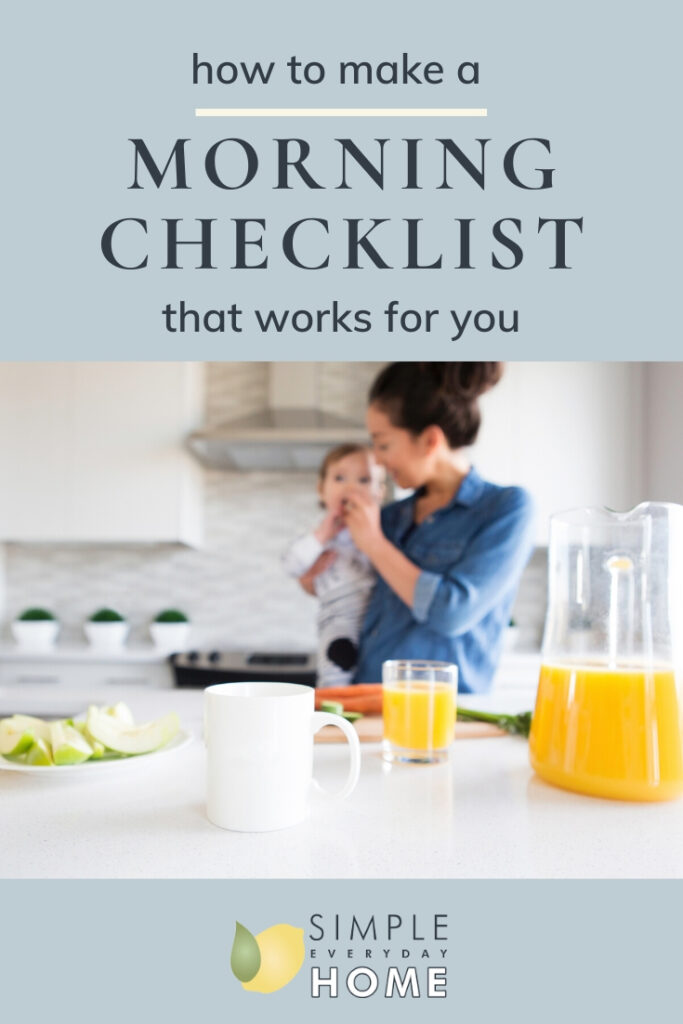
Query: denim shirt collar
<point x="467" y="494"/>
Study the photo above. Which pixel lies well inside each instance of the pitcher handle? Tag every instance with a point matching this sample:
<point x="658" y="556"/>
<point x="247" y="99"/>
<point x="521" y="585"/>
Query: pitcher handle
<point x="322" y="718"/>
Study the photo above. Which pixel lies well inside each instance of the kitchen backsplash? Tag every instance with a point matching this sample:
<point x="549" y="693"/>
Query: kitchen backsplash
<point x="234" y="589"/>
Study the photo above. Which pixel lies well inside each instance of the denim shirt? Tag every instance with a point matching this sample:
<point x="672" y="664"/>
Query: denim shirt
<point x="471" y="553"/>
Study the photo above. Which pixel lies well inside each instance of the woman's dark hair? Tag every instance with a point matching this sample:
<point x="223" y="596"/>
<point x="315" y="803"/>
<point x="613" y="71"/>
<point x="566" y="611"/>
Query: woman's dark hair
<point x="419" y="395"/>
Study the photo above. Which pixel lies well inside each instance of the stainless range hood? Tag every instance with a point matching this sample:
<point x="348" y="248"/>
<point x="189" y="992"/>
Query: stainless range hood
<point x="291" y="433"/>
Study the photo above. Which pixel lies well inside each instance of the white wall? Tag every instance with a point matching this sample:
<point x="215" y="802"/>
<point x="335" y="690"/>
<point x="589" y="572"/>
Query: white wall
<point x="663" y="387"/>
<point x="572" y="433"/>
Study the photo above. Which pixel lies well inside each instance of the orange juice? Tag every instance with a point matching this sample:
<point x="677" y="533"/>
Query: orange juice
<point x="610" y="732"/>
<point x="419" y="716"/>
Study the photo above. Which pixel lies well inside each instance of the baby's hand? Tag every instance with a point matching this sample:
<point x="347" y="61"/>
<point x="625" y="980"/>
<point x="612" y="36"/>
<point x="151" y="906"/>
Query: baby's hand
<point x="331" y="525"/>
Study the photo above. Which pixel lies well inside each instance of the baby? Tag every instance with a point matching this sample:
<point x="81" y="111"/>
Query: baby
<point x="343" y="588"/>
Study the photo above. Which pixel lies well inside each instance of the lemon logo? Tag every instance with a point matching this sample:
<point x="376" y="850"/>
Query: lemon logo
<point x="268" y="961"/>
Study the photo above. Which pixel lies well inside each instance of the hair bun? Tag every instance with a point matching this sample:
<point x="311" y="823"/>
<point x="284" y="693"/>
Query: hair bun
<point x="466" y="380"/>
<point x="417" y="395"/>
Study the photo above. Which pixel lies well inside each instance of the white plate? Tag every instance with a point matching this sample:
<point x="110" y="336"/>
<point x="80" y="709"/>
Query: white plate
<point x="98" y="767"/>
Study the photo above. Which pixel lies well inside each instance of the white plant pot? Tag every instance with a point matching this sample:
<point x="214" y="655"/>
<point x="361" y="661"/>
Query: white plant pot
<point x="511" y="638"/>
<point x="40" y="635"/>
<point x="106" y="636"/>
<point x="171" y="637"/>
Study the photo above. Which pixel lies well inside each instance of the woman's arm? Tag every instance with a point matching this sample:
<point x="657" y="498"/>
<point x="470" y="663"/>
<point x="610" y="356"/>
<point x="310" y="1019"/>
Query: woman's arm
<point x="362" y="517"/>
<point x="453" y="601"/>
<point x="399" y="572"/>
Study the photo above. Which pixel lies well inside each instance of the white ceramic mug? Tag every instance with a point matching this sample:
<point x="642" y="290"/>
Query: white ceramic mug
<point x="259" y="739"/>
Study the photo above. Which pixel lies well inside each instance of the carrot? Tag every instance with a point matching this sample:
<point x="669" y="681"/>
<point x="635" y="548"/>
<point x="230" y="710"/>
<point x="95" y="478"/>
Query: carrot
<point x="371" y="704"/>
<point x="368" y="705"/>
<point x="358" y="688"/>
<point x="341" y="693"/>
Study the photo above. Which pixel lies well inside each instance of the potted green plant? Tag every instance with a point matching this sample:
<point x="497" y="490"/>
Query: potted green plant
<point x="106" y="629"/>
<point x="35" y="628"/>
<point x="170" y="630"/>
<point x="511" y="636"/>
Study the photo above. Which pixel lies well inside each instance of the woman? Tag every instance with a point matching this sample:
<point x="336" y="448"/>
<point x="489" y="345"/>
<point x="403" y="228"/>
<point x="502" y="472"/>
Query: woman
<point x="450" y="556"/>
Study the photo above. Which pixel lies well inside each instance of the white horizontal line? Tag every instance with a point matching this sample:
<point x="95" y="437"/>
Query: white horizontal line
<point x="340" y="112"/>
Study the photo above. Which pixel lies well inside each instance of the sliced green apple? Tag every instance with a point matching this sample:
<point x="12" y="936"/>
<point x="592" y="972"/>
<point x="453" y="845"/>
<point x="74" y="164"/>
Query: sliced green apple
<point x="68" y="745"/>
<point x="97" y="747"/>
<point x="39" y="753"/>
<point x="38" y="726"/>
<point x="121" y="712"/>
<point x="131" y="739"/>
<point x="15" y="738"/>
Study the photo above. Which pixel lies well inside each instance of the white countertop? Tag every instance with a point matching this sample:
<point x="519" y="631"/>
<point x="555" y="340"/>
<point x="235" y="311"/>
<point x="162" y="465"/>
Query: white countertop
<point x="484" y="815"/>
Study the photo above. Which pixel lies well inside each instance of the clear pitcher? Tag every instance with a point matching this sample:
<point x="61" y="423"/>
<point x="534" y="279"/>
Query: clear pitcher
<point x="608" y="718"/>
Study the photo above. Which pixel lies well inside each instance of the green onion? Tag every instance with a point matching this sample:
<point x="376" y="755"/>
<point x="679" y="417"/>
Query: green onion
<point x="517" y="725"/>
<point x="332" y="707"/>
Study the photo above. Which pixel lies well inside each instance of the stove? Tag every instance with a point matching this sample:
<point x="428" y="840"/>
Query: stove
<point x="203" y="668"/>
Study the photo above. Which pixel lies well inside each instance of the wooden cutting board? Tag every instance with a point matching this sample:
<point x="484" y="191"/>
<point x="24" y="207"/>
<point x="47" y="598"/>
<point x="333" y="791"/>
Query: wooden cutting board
<point x="369" y="730"/>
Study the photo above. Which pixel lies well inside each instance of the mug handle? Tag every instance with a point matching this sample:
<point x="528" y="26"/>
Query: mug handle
<point x="321" y="718"/>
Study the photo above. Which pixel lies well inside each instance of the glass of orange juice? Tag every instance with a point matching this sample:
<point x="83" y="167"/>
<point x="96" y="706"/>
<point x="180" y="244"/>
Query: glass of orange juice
<point x="418" y="709"/>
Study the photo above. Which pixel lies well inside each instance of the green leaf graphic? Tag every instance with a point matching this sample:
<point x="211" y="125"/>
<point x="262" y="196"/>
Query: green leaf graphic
<point x="245" y="958"/>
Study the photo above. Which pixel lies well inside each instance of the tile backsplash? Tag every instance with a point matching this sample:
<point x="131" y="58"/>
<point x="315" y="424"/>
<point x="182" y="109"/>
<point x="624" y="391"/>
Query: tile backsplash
<point x="234" y="588"/>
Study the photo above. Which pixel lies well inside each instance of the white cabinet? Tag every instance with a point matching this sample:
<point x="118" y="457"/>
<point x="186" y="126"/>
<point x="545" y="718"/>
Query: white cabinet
<point x="44" y="679"/>
<point x="94" y="452"/>
<point x="571" y="433"/>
